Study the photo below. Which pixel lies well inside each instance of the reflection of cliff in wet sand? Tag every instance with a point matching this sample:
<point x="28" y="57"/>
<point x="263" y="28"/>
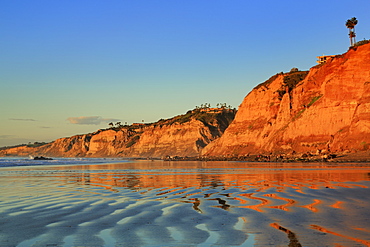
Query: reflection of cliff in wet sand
<point x="268" y="185"/>
<point x="292" y="237"/>
<point x="146" y="203"/>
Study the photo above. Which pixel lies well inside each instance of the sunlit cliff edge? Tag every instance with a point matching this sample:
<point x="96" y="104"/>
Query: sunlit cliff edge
<point x="328" y="110"/>
<point x="325" y="108"/>
<point x="183" y="135"/>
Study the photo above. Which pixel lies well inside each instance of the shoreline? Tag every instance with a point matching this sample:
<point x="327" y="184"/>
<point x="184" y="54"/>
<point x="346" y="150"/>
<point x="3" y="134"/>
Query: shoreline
<point x="339" y="157"/>
<point x="334" y="157"/>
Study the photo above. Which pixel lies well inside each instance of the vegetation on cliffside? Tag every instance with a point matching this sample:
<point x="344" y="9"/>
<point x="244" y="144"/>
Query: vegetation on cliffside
<point x="34" y="145"/>
<point x="207" y="115"/>
<point x="290" y="81"/>
<point x="182" y="135"/>
<point x="325" y="110"/>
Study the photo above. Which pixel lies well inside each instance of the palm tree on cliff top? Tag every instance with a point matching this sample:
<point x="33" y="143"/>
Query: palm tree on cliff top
<point x="350" y="24"/>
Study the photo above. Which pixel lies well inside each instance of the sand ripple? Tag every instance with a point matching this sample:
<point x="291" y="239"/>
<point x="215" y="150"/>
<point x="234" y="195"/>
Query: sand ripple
<point x="184" y="207"/>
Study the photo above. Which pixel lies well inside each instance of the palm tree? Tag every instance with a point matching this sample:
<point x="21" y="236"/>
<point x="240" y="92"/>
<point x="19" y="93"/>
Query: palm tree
<point x="350" y="24"/>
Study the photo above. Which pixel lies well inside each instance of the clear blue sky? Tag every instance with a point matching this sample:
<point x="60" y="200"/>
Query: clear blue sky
<point x="69" y="67"/>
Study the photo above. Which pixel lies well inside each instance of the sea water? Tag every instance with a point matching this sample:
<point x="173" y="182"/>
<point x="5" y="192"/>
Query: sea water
<point x="110" y="202"/>
<point x="30" y="161"/>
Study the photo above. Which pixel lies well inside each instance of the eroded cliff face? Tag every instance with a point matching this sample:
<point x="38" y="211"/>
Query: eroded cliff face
<point x="184" y="135"/>
<point x="328" y="109"/>
<point x="325" y="108"/>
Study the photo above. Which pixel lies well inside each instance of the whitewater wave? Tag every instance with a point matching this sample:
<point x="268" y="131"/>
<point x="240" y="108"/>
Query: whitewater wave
<point x="23" y="161"/>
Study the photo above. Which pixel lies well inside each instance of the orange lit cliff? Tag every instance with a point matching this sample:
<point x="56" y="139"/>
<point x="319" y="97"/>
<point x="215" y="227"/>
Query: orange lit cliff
<point x="326" y="108"/>
<point x="329" y="108"/>
<point x="183" y="135"/>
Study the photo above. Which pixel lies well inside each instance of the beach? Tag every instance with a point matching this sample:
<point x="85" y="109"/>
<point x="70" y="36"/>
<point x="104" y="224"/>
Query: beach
<point x="185" y="203"/>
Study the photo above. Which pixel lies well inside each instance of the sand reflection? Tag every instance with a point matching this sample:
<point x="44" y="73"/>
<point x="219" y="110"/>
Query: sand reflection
<point x="186" y="203"/>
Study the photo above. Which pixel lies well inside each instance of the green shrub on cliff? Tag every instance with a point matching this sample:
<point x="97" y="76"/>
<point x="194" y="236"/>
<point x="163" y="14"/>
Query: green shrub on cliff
<point x="133" y="141"/>
<point x="313" y="100"/>
<point x="291" y="80"/>
<point x="36" y="144"/>
<point x="206" y="116"/>
<point x="362" y="42"/>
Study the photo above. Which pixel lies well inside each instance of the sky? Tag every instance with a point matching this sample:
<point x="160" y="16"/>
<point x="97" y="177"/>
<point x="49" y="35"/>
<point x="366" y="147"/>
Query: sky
<point x="70" y="67"/>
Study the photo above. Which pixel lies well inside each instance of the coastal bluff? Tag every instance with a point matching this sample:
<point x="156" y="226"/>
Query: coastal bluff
<point x="183" y="135"/>
<point x="325" y="108"/>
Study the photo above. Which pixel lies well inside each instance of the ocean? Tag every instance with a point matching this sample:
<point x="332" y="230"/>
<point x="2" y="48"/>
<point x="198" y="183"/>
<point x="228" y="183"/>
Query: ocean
<point x="115" y="202"/>
<point x="29" y="161"/>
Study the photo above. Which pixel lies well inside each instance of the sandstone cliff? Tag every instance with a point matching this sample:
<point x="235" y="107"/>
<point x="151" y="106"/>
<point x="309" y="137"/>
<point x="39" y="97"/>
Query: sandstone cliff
<point x="328" y="108"/>
<point x="325" y="108"/>
<point x="184" y="135"/>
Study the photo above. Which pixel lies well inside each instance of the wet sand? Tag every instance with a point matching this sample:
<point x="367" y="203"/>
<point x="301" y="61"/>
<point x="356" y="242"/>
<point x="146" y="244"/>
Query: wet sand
<point x="157" y="203"/>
